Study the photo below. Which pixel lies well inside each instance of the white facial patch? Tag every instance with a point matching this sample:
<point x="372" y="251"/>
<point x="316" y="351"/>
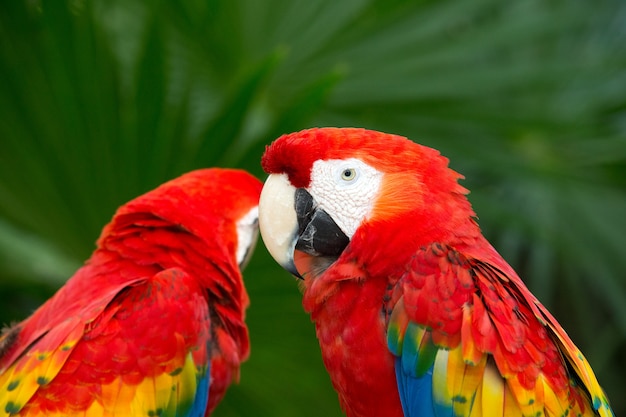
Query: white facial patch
<point x="346" y="189"/>
<point x="247" y="234"/>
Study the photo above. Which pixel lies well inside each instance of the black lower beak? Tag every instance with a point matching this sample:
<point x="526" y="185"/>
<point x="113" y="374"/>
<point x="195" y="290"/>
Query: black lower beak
<point x="318" y="234"/>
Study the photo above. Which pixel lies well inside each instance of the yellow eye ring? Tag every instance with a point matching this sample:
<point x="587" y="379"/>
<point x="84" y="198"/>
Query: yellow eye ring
<point x="348" y="174"/>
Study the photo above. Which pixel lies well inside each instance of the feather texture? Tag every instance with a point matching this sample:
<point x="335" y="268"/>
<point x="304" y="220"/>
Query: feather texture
<point x="461" y="333"/>
<point x="152" y="324"/>
<point x="506" y="361"/>
<point x="111" y="364"/>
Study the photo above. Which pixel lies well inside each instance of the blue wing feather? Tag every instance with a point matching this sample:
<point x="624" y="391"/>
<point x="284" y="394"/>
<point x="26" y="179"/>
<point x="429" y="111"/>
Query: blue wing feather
<point x="415" y="393"/>
<point x="202" y="395"/>
<point x="414" y="375"/>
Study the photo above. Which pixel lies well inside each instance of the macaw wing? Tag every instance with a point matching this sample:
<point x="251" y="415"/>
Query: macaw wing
<point x="141" y="350"/>
<point x="471" y="341"/>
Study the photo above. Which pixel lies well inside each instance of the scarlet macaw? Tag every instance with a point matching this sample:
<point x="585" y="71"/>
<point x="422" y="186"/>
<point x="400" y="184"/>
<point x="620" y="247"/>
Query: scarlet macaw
<point x="415" y="312"/>
<point x="153" y="323"/>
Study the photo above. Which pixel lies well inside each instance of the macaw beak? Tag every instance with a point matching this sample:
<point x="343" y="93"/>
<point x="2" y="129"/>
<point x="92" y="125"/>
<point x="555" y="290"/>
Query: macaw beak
<point x="299" y="235"/>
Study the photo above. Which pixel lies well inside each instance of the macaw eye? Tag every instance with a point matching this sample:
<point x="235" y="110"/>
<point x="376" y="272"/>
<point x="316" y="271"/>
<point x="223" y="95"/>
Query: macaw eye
<point x="348" y="174"/>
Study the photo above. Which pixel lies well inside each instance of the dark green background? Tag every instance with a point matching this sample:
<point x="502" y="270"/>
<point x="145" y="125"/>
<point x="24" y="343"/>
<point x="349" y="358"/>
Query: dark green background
<point x="102" y="100"/>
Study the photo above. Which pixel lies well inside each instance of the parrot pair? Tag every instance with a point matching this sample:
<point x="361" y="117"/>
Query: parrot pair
<point x="415" y="312"/>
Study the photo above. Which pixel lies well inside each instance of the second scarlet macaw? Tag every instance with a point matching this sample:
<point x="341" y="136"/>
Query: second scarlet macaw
<point x="153" y="323"/>
<point x="416" y="313"/>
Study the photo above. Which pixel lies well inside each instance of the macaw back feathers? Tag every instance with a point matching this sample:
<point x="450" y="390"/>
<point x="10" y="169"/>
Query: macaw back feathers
<point x="148" y="240"/>
<point x="152" y="324"/>
<point x="115" y="362"/>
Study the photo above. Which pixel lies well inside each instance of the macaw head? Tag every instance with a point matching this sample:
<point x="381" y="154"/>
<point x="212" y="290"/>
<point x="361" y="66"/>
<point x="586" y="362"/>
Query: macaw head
<point x="217" y="205"/>
<point x="356" y="193"/>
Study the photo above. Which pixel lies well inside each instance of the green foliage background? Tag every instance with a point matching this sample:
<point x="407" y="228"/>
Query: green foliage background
<point x="103" y="100"/>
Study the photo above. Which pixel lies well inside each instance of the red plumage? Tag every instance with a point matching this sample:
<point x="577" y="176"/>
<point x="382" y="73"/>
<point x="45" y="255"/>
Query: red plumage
<point x="162" y="288"/>
<point x="418" y="297"/>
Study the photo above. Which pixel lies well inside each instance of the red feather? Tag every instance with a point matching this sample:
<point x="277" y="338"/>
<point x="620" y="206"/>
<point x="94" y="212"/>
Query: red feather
<point x="162" y="286"/>
<point x="419" y="262"/>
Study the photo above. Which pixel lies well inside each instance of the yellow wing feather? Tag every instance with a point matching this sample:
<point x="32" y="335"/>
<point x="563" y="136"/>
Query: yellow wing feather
<point x="492" y="393"/>
<point x="582" y="368"/>
<point x="28" y="388"/>
<point x="36" y="368"/>
<point x="167" y="394"/>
